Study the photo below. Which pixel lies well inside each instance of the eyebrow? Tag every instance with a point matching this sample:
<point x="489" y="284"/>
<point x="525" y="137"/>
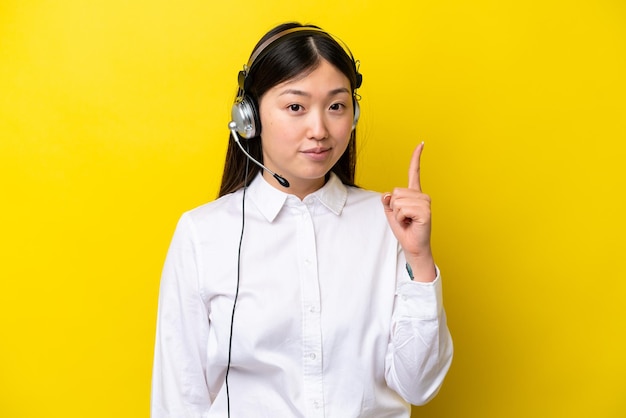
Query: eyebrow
<point x="297" y="92"/>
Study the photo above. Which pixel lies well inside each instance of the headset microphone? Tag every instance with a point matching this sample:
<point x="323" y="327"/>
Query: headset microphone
<point x="283" y="181"/>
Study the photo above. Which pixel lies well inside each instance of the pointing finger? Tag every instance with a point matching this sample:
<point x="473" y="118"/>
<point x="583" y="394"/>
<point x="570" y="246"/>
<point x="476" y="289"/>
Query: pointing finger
<point x="414" y="169"/>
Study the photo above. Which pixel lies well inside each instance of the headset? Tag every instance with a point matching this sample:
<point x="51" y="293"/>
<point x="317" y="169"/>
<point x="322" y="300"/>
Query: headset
<point x="245" y="114"/>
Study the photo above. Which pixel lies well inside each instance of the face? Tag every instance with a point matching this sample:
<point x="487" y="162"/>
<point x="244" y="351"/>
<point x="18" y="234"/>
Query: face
<point x="306" y="126"/>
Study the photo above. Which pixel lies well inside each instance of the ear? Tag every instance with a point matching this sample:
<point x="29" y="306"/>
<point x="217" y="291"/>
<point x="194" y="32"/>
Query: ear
<point x="246" y="117"/>
<point x="357" y="114"/>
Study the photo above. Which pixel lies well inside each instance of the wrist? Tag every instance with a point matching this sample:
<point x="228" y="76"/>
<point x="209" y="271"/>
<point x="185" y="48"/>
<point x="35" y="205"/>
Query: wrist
<point x="421" y="269"/>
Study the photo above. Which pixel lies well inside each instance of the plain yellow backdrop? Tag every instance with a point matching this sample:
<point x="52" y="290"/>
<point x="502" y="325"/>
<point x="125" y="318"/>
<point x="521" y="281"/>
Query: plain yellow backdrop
<point x="113" y="120"/>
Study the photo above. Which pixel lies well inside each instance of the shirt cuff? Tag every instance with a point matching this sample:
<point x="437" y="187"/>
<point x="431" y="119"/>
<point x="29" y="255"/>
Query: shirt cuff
<point x="420" y="300"/>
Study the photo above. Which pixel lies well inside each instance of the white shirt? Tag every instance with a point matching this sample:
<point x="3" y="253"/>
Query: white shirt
<point x="327" y="321"/>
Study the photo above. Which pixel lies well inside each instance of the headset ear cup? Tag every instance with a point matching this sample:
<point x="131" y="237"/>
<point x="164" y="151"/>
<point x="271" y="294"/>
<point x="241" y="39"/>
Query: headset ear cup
<point x="246" y="118"/>
<point x="357" y="114"/>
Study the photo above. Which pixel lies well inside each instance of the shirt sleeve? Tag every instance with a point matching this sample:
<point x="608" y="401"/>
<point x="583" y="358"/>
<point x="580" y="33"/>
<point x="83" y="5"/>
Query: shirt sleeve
<point x="179" y="387"/>
<point x="420" y="348"/>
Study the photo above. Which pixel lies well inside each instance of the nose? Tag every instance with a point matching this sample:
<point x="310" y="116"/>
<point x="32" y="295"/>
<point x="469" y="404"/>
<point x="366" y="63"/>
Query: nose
<point x="317" y="129"/>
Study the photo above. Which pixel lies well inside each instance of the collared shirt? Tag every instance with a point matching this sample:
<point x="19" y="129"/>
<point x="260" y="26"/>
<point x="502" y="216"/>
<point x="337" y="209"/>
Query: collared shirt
<point x="327" y="322"/>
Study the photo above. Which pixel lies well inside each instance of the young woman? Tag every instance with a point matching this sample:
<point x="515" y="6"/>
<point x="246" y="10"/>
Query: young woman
<point x="297" y="294"/>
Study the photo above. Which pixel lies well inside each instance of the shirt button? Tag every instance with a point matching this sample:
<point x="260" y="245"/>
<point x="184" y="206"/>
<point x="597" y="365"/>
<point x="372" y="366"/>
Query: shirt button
<point x="316" y="404"/>
<point x="312" y="356"/>
<point x="312" y="309"/>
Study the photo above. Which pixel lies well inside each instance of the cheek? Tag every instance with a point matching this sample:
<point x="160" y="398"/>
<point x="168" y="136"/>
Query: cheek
<point x="266" y="121"/>
<point x="344" y="131"/>
<point x="275" y="138"/>
<point x="276" y="124"/>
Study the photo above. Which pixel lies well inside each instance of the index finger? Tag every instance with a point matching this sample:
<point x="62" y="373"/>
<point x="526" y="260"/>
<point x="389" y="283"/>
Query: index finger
<point x="414" y="169"/>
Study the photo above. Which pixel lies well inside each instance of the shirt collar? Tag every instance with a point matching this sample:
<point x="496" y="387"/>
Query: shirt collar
<point x="270" y="200"/>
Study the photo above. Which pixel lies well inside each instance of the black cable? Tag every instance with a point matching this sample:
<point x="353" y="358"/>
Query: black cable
<point x="232" y="317"/>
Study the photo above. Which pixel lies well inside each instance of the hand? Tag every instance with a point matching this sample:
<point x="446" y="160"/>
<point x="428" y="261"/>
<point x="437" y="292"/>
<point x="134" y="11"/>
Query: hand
<point x="408" y="214"/>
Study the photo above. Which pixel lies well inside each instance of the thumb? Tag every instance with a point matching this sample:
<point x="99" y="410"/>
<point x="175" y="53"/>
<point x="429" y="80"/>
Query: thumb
<point x="386" y="200"/>
<point x="391" y="217"/>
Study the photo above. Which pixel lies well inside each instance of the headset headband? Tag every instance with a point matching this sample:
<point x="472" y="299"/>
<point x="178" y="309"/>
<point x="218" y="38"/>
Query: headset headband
<point x="264" y="46"/>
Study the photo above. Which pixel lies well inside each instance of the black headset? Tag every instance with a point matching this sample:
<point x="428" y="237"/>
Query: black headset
<point x="245" y="113"/>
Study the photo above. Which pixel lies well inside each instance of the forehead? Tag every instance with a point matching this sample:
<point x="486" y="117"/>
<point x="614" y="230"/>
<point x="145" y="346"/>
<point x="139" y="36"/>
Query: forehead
<point x="323" y="76"/>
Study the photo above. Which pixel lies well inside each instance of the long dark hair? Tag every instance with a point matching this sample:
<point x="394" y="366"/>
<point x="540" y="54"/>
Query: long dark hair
<point x="292" y="55"/>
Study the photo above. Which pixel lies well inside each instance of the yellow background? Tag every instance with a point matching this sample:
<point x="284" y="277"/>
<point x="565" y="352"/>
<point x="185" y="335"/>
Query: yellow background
<point x="113" y="122"/>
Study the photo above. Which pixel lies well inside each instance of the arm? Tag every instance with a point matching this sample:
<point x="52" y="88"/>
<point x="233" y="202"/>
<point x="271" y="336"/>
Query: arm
<point x="420" y="348"/>
<point x="179" y="387"/>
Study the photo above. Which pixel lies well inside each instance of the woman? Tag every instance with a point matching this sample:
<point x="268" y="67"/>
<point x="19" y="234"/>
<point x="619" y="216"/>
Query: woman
<point x="297" y="294"/>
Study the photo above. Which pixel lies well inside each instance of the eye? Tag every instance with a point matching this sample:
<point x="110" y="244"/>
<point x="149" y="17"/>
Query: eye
<point x="295" y="107"/>
<point x="337" y="106"/>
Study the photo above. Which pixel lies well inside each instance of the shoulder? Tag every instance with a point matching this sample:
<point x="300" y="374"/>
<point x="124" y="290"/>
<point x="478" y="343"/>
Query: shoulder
<point x="219" y="212"/>
<point x="360" y="196"/>
<point x="215" y="206"/>
<point x="364" y="205"/>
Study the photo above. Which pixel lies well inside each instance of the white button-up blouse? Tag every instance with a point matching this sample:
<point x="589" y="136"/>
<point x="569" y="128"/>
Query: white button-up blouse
<point x="327" y="321"/>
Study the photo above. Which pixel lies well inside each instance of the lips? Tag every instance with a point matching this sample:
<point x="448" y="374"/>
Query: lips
<point x="318" y="150"/>
<point x="317" y="154"/>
